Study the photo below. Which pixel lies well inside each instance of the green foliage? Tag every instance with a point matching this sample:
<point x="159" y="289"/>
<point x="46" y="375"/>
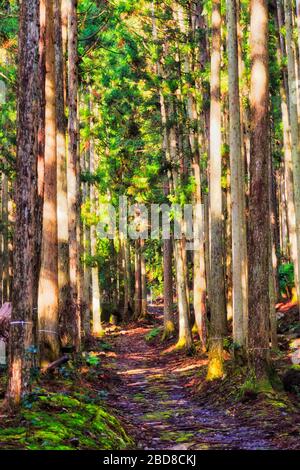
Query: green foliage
<point x="286" y="277"/>
<point x="92" y="360"/>
<point x="252" y="387"/>
<point x="152" y="334"/>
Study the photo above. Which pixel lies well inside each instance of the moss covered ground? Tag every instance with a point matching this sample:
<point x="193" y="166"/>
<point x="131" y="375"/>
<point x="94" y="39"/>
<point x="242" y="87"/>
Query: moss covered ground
<point x="66" y="411"/>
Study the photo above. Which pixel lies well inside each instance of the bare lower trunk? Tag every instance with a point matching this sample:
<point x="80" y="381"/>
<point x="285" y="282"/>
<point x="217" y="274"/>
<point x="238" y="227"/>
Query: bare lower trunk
<point x="123" y="297"/>
<point x="26" y="229"/>
<point x="295" y="142"/>
<point x="48" y="285"/>
<point x="199" y="264"/>
<point x="169" y="326"/>
<point x="185" y="336"/>
<point x="1" y="252"/>
<point x="239" y="249"/>
<point x="143" y="281"/>
<point x="65" y="305"/>
<point x="273" y="262"/>
<point x="138" y="281"/>
<point x="97" y="328"/>
<point x="217" y="288"/>
<point x="288" y="222"/>
<point x="87" y="308"/>
<point x="73" y="175"/>
<point x="5" y="255"/>
<point x="259" y="210"/>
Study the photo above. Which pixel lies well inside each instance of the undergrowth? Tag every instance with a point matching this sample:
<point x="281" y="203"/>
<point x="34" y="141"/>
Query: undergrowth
<point x="75" y="418"/>
<point x="59" y="421"/>
<point x="152" y="334"/>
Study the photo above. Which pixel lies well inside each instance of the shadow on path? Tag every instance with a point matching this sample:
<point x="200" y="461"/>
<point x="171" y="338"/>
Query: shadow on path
<point x="160" y="410"/>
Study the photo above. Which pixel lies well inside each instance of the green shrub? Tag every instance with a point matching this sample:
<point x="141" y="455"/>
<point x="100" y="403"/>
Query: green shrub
<point x="286" y="277"/>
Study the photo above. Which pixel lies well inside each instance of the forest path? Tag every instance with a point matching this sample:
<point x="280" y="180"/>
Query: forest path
<point x="153" y="397"/>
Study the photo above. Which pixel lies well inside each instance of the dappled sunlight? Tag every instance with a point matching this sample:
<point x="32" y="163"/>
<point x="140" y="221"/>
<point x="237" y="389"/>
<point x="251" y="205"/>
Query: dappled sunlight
<point x="149" y="222"/>
<point x="285" y="306"/>
<point x="195" y="365"/>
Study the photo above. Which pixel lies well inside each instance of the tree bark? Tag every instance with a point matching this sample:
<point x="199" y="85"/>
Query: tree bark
<point x="239" y="248"/>
<point x="73" y="174"/>
<point x="259" y="208"/>
<point x="48" y="285"/>
<point x="295" y="142"/>
<point x="97" y="328"/>
<point x="5" y="255"/>
<point x="26" y="228"/>
<point x="143" y="281"/>
<point x="217" y="288"/>
<point x="169" y="324"/>
<point x="87" y="307"/>
<point x="65" y="303"/>
<point x="138" y="281"/>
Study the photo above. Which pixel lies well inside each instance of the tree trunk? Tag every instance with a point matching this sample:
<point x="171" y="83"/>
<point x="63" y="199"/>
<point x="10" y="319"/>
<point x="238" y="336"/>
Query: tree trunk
<point x="143" y="281"/>
<point x="73" y="186"/>
<point x="217" y="288"/>
<point x="185" y="340"/>
<point x="185" y="336"/>
<point x="169" y="324"/>
<point x="295" y="142"/>
<point x="5" y="255"/>
<point x="287" y="179"/>
<point x="65" y="303"/>
<point x="1" y="247"/>
<point x="41" y="145"/>
<point x="259" y="209"/>
<point x="298" y="23"/>
<point x="138" y="281"/>
<point x="199" y="262"/>
<point x="26" y="228"/>
<point x="124" y="297"/>
<point x="48" y="285"/>
<point x="87" y="307"/>
<point x="273" y="261"/>
<point x="97" y="328"/>
<point x="239" y="248"/>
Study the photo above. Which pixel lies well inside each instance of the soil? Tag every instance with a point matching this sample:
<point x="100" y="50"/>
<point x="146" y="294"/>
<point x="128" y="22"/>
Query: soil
<point x="165" y="402"/>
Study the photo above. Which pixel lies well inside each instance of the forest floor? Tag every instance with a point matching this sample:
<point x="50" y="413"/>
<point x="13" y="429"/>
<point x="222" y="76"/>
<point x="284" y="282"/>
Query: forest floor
<point x="162" y="397"/>
<point x="130" y="390"/>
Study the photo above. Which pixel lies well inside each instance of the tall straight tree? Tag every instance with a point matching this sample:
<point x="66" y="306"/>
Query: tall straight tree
<point x="138" y="280"/>
<point x="259" y="210"/>
<point x="294" y="126"/>
<point x="41" y="136"/>
<point x="169" y="326"/>
<point x="239" y="243"/>
<point x="185" y="340"/>
<point x="199" y="280"/>
<point x="143" y="281"/>
<point x="217" y="288"/>
<point x="96" y="294"/>
<point x="26" y="227"/>
<point x="48" y="283"/>
<point x="5" y="253"/>
<point x="288" y="188"/>
<point x="62" y="194"/>
<point x="87" y="307"/>
<point x="73" y="174"/>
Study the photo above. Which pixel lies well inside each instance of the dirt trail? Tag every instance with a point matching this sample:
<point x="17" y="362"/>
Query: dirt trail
<point x="160" y="410"/>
